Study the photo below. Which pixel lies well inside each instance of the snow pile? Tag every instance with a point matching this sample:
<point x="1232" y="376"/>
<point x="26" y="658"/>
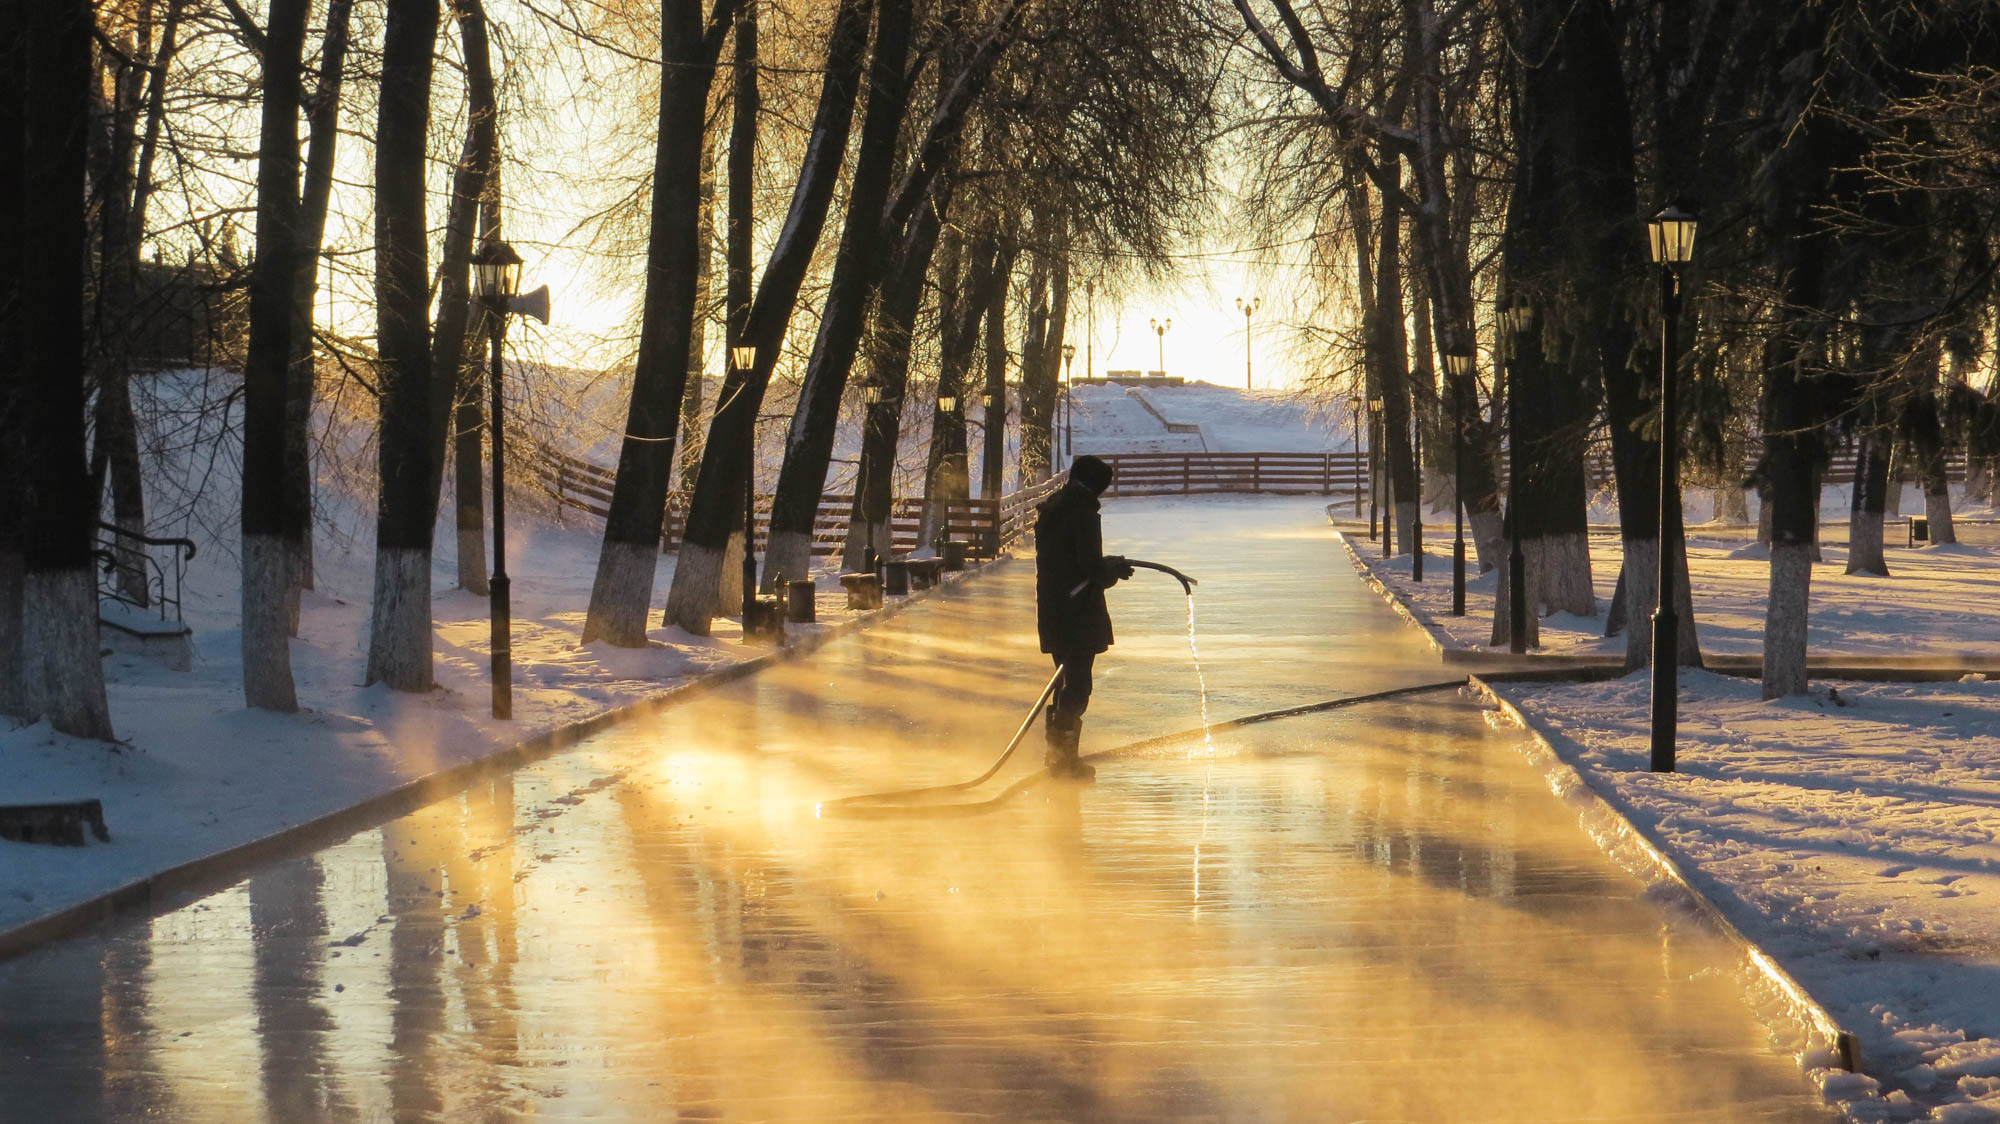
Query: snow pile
<point x="1110" y="418"/>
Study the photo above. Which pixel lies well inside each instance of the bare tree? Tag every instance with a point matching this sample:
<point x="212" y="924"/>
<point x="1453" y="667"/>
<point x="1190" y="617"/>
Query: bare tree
<point x="48" y="66"/>
<point x="399" y="634"/>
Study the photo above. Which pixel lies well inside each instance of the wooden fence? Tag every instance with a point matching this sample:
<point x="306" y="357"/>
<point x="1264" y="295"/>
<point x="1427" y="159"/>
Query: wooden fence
<point x="1152" y="474"/>
<point x="582" y="486"/>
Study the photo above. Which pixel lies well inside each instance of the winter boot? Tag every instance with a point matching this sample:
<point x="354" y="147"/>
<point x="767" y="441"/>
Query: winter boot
<point x="1064" y="734"/>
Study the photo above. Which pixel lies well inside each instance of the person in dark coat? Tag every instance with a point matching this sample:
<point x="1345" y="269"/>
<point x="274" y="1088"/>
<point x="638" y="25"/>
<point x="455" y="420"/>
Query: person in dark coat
<point x="1071" y="574"/>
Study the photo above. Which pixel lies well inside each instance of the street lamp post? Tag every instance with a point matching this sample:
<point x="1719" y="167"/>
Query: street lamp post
<point x="1069" y="390"/>
<point x="742" y="357"/>
<point x="1160" y="329"/>
<point x="1459" y="369"/>
<point x="1384" y="496"/>
<point x="1672" y="242"/>
<point x="1354" y="407"/>
<point x="1247" y="308"/>
<point x="1416" y="543"/>
<point x="1519" y="319"/>
<point x="496" y="280"/>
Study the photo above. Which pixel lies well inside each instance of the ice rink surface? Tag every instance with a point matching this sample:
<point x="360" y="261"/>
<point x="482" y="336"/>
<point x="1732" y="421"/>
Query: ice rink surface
<point x="1371" y="914"/>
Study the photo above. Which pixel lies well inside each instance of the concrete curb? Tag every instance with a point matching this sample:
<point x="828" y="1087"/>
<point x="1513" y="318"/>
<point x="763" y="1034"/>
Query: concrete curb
<point x="1824" y="1041"/>
<point x="199" y="877"/>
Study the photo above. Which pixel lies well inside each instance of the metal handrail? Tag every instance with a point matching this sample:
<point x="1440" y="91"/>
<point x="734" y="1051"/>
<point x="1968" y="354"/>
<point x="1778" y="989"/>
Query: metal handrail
<point x="117" y="547"/>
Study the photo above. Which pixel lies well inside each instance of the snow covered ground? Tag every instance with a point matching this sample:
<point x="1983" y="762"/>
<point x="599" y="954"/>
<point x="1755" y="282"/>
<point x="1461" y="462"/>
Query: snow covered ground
<point x="1111" y="418"/>
<point x="1853" y="833"/>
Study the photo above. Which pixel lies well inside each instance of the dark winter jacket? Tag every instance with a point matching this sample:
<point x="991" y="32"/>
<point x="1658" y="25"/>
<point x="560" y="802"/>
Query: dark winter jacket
<point x="1072" y="573"/>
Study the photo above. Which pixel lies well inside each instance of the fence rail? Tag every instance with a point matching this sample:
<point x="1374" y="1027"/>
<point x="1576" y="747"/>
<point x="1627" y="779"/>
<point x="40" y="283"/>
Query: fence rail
<point x="1138" y="474"/>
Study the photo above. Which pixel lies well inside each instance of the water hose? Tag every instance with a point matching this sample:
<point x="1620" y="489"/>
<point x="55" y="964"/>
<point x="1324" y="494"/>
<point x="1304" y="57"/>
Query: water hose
<point x="880" y="804"/>
<point x="1187" y="583"/>
<point x="903" y="794"/>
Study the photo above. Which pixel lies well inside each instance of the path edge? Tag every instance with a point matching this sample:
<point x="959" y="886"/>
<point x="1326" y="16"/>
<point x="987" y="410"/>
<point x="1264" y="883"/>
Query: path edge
<point x="200" y="876"/>
<point x="1824" y="1043"/>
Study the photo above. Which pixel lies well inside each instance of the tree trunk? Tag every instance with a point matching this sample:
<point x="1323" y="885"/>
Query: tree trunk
<point x="459" y="375"/>
<point x="116" y="456"/>
<point x="273" y="521"/>
<point x="1392" y="371"/>
<point x="1041" y="352"/>
<point x="962" y="300"/>
<point x="857" y="271"/>
<point x="623" y="587"/>
<point x="61" y="676"/>
<point x="1864" y="527"/>
<point x="692" y="425"/>
<point x="314" y="197"/>
<point x="889" y="366"/>
<point x="399" y="634"/>
<point x="728" y="458"/>
<point x="993" y="416"/>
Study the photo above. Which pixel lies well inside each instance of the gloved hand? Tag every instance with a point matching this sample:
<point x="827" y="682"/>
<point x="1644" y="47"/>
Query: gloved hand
<point x="1116" y="568"/>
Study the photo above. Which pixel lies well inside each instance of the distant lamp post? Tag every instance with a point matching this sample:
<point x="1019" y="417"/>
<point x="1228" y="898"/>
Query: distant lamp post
<point x="1519" y="319"/>
<point x="1458" y="368"/>
<point x="1416" y="543"/>
<point x="496" y="281"/>
<point x="742" y="357"/>
<point x="1160" y="329"/>
<point x="1378" y="429"/>
<point x="1247" y="309"/>
<point x="1069" y="390"/>
<point x="1672" y="239"/>
<point x="1354" y="411"/>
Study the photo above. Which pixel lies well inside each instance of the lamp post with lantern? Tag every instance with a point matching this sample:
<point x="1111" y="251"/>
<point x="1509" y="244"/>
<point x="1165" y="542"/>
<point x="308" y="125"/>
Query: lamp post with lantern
<point x="1247" y="308"/>
<point x="1160" y="329"/>
<point x="1458" y="368"/>
<point x="1354" y="411"/>
<point x="1671" y="237"/>
<point x="496" y="281"/>
<point x="741" y="358"/>
<point x="1069" y="391"/>
<point x="1517" y="318"/>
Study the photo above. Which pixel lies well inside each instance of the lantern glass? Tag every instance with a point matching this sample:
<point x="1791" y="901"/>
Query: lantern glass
<point x="1672" y="236"/>
<point x="1069" y="351"/>
<point x="948" y="403"/>
<point x="743" y="357"/>
<point x="496" y="271"/>
<point x="871" y="394"/>
<point x="1458" y="366"/>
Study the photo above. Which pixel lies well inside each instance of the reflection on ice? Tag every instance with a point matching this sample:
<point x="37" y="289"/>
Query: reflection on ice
<point x="1375" y="912"/>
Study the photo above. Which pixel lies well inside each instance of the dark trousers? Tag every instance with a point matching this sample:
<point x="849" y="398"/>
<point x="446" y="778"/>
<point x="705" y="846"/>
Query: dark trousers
<point x="1072" y="695"/>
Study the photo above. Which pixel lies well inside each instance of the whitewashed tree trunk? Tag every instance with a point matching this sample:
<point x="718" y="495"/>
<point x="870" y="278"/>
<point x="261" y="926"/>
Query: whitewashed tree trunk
<point x="1937" y="506"/>
<point x="62" y="677"/>
<point x="789" y="555"/>
<point x="1764" y="520"/>
<point x="399" y="630"/>
<point x="1560" y="567"/>
<point x="729" y="583"/>
<point x="1406" y="526"/>
<point x="1489" y="538"/>
<point x="624" y="577"/>
<point x="11" y="700"/>
<point x="132" y="566"/>
<point x="697" y="588"/>
<point x="1503" y="602"/>
<point x="472" y="553"/>
<point x="1864" y="545"/>
<point x="1785" y="620"/>
<point x="1642" y="571"/>
<point x="268" y="595"/>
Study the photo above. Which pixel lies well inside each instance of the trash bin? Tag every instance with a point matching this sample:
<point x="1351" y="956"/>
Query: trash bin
<point x="799" y="603"/>
<point x="954" y="553"/>
<point x="896" y="578"/>
<point x="864" y="591"/>
<point x="1920" y="529"/>
<point x="766" y="623"/>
